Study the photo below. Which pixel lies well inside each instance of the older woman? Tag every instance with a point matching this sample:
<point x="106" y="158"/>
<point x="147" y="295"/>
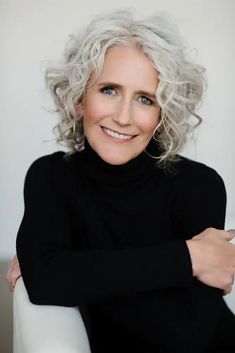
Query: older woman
<point x="128" y="226"/>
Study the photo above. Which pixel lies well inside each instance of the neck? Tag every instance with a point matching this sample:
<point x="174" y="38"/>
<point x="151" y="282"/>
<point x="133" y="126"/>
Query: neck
<point x="116" y="178"/>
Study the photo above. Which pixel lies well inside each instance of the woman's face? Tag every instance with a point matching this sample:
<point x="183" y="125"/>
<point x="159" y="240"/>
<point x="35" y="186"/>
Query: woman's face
<point x="120" y="110"/>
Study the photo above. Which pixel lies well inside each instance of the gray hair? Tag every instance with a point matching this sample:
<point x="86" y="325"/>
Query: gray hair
<point x="181" y="81"/>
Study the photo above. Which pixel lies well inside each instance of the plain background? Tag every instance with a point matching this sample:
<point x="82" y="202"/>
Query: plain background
<point x="33" y="32"/>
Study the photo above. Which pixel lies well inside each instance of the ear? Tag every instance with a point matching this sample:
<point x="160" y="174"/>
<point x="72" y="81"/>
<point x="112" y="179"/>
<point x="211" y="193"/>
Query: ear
<point x="79" y="109"/>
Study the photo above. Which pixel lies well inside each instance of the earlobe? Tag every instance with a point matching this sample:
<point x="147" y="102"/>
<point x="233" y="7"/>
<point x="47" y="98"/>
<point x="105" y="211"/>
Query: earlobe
<point x="79" y="109"/>
<point x="159" y="128"/>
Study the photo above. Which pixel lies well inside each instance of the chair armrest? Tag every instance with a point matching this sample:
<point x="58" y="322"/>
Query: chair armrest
<point x="46" y="328"/>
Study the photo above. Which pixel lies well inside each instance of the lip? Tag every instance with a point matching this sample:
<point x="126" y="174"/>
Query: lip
<point x="117" y="132"/>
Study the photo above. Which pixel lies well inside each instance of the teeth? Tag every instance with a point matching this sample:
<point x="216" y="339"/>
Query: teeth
<point x="117" y="135"/>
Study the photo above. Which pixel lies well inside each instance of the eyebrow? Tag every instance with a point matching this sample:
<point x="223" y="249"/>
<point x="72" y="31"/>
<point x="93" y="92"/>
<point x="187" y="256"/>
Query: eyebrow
<point x="141" y="92"/>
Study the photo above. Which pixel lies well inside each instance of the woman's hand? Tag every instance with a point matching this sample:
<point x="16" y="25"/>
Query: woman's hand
<point x="213" y="258"/>
<point x="13" y="273"/>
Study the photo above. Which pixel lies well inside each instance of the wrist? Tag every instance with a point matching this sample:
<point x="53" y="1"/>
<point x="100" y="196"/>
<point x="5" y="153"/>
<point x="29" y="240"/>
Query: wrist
<point x="191" y="244"/>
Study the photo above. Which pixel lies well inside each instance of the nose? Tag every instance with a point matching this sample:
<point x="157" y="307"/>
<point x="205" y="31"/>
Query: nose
<point x="123" y="114"/>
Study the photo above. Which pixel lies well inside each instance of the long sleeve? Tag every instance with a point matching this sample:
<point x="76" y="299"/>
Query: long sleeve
<point x="199" y="201"/>
<point x="56" y="273"/>
<point x="181" y="320"/>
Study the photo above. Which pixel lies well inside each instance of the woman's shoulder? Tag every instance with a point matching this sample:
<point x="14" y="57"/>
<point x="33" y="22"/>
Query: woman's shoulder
<point x="54" y="159"/>
<point x="59" y="159"/>
<point x="58" y="166"/>
<point x="188" y="166"/>
<point x="189" y="172"/>
<point x="50" y="162"/>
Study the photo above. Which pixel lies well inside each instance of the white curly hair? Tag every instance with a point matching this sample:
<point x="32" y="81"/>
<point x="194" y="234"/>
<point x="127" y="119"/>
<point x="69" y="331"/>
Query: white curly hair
<point x="181" y="81"/>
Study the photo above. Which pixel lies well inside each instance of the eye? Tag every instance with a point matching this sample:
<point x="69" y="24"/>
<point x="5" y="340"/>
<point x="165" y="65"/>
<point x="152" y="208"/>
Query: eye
<point x="108" y="90"/>
<point x="145" y="100"/>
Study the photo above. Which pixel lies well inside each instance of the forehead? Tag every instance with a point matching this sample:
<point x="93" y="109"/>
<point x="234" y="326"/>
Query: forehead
<point x="127" y="65"/>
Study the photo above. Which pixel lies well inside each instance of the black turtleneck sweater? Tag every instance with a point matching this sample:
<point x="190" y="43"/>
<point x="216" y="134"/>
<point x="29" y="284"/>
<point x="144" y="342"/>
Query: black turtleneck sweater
<point x="111" y="240"/>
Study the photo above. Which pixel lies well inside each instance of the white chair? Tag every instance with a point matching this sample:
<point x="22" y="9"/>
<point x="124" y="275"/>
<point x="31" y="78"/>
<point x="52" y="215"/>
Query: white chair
<point x="46" y="328"/>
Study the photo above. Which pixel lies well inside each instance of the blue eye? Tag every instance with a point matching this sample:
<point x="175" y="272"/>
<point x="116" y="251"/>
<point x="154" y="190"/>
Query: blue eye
<point x="145" y="100"/>
<point x="108" y="90"/>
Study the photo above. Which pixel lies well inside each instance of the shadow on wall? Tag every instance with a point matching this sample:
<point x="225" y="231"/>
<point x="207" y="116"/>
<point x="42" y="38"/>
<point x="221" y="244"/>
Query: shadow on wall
<point x="6" y="325"/>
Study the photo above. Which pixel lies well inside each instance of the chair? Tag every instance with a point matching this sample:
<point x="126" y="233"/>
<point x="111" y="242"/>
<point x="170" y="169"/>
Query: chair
<point x="46" y="328"/>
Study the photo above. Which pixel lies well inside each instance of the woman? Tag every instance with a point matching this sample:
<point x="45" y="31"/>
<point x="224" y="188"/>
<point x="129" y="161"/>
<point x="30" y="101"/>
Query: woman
<point x="128" y="228"/>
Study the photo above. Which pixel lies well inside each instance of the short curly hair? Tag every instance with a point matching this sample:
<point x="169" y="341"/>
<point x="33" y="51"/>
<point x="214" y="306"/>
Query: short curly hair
<point x="181" y="81"/>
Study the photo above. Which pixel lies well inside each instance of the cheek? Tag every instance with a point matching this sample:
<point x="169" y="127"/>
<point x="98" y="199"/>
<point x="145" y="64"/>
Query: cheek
<point x="93" y="111"/>
<point x="90" y="115"/>
<point x="149" y="123"/>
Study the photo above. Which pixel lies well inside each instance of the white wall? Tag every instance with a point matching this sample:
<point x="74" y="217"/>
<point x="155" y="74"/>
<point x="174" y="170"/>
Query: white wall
<point x="33" y="31"/>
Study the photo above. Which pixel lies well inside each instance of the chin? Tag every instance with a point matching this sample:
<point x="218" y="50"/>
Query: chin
<point x="115" y="158"/>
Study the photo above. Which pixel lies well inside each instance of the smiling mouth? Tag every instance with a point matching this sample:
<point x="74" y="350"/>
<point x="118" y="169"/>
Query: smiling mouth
<point x="117" y="135"/>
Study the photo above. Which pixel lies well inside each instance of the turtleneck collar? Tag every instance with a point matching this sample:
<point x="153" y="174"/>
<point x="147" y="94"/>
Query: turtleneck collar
<point x="126" y="177"/>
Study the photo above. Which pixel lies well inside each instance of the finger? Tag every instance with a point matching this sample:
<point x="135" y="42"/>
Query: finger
<point x="12" y="284"/>
<point x="11" y="287"/>
<point x="14" y="281"/>
<point x="15" y="261"/>
<point x="229" y="234"/>
<point x="9" y="281"/>
<point x="12" y="275"/>
<point x="231" y="231"/>
<point x="227" y="291"/>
